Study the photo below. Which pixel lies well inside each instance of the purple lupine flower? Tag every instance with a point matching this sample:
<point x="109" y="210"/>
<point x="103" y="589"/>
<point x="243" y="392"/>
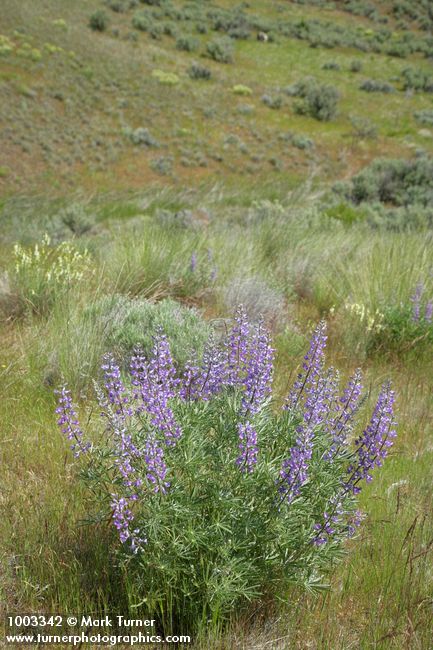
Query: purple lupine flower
<point x="213" y="373"/>
<point x="372" y="446"/>
<point x="429" y="311"/>
<point x="189" y="379"/>
<point x="156" y="469"/>
<point x="154" y="383"/>
<point x="416" y="300"/>
<point x="258" y="370"/>
<point x="354" y="522"/>
<point x="326" y="529"/>
<point x="189" y="388"/>
<point x="214" y="274"/>
<point x="126" y="452"/>
<point x="238" y="347"/>
<point x="312" y="366"/>
<point x="139" y="372"/>
<point x="294" y="471"/>
<point x="193" y="262"/>
<point x="248" y="448"/>
<point x="116" y="390"/>
<point x="348" y="404"/>
<point x="205" y="381"/>
<point x="122" y="518"/>
<point x="124" y="449"/>
<point x="162" y="416"/>
<point x="68" y="422"/>
<point x="320" y="397"/>
<point x="161" y="366"/>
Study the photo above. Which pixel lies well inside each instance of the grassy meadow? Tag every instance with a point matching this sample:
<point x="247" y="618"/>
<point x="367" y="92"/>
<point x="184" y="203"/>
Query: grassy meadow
<point x="131" y="198"/>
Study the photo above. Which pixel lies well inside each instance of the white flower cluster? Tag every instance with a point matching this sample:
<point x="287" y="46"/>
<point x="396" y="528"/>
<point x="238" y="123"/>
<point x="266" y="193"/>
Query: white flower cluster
<point x="372" y="320"/>
<point x="61" y="265"/>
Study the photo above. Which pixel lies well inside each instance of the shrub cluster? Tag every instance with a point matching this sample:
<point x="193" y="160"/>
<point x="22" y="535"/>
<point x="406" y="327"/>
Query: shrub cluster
<point x="127" y="322"/>
<point x="258" y="299"/>
<point x="272" y="101"/>
<point x="118" y="6"/>
<point x="98" y="21"/>
<point x="331" y="65"/>
<point x="418" y="80"/>
<point x="420" y="13"/>
<point x="394" y="182"/>
<point x="363" y="128"/>
<point x="355" y="66"/>
<point x="236" y="23"/>
<point x="187" y="43"/>
<point x="297" y="140"/>
<point x="198" y="71"/>
<point x="141" y="135"/>
<point x="376" y="86"/>
<point x="221" y="49"/>
<point x="318" y="100"/>
<point x="406" y="218"/>
<point x="424" y="117"/>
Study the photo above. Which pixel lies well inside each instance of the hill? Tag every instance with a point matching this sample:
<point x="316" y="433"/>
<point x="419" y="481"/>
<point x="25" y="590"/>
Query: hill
<point x="184" y="92"/>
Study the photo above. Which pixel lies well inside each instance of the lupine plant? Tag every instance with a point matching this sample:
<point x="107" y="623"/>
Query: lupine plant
<point x="219" y="495"/>
<point x="201" y="272"/>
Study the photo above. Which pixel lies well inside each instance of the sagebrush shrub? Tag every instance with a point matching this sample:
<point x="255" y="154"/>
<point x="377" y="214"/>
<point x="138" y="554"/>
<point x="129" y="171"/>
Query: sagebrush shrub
<point x="424" y="117"/>
<point x="169" y="29"/>
<point x="271" y="101"/>
<point x="331" y="65"/>
<point x="355" y="66"/>
<point x="394" y="182"/>
<point x="219" y="497"/>
<point x="418" y="80"/>
<point x="198" y="71"/>
<point x="162" y="165"/>
<point x="76" y="219"/>
<point x="221" y="49"/>
<point x="376" y="86"/>
<point x="318" y="100"/>
<point x="98" y="21"/>
<point x="187" y="43"/>
<point x="363" y="128"/>
<point x="258" y="299"/>
<point x="127" y="322"/>
<point x="141" y="135"/>
<point x="142" y="21"/>
<point x="406" y="218"/>
<point x="118" y="6"/>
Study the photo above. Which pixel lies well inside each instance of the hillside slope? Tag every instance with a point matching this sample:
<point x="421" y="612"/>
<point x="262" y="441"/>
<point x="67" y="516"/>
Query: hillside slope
<point x="123" y="107"/>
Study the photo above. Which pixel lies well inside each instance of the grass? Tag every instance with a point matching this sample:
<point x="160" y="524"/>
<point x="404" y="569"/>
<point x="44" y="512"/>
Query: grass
<point x="63" y="144"/>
